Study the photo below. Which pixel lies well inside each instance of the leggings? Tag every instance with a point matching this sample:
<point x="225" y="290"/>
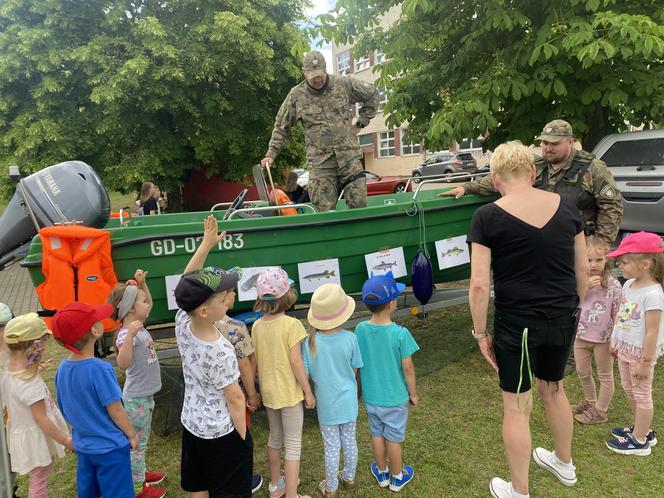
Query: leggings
<point x="38" y="487"/>
<point x="638" y="391"/>
<point x="583" y="355"/>
<point x="336" y="437"/>
<point x="140" y="415"/>
<point x="286" y="428"/>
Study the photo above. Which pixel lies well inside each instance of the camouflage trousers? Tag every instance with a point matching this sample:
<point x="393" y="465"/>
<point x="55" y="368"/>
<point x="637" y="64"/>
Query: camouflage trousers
<point x="326" y="180"/>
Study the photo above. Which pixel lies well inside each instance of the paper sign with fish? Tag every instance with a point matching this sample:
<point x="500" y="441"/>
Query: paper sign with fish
<point x="379" y="263"/>
<point x="171" y="282"/>
<point x="313" y="274"/>
<point x="452" y="252"/>
<point x="246" y="287"/>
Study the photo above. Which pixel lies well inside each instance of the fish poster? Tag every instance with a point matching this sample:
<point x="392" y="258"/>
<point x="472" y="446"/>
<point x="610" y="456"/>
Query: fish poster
<point x="171" y="283"/>
<point x="381" y="262"/>
<point x="452" y="252"/>
<point x="313" y="274"/>
<point x="246" y="287"/>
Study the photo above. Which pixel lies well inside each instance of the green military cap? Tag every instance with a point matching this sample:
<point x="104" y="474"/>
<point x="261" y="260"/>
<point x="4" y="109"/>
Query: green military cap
<point x="555" y="131"/>
<point x="314" y="64"/>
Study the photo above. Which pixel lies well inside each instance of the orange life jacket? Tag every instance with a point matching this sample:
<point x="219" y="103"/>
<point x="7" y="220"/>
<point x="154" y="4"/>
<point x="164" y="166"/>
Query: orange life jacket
<point x="77" y="264"/>
<point x="282" y="200"/>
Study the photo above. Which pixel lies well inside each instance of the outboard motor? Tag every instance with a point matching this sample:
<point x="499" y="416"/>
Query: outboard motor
<point x="66" y="192"/>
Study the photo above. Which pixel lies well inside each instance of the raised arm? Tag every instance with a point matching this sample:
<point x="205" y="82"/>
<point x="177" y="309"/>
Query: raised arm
<point x="210" y="239"/>
<point x="141" y="279"/>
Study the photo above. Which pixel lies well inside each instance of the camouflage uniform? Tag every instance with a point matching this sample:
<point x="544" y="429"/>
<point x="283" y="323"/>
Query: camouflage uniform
<point x="333" y="151"/>
<point x="582" y="179"/>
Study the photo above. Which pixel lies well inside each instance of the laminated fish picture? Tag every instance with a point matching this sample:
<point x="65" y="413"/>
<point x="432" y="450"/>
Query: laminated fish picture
<point x="313" y="274"/>
<point x="381" y="262"/>
<point x="452" y="252"/>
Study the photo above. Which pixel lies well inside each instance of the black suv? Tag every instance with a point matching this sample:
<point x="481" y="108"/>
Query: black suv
<point x="442" y="163"/>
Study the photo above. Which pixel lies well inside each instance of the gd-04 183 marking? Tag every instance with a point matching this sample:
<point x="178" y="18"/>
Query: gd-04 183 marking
<point x="167" y="247"/>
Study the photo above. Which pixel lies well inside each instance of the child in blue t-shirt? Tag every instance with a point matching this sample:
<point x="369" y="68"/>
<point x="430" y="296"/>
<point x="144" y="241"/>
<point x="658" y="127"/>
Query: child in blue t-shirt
<point x="331" y="357"/>
<point x="387" y="378"/>
<point x="90" y="399"/>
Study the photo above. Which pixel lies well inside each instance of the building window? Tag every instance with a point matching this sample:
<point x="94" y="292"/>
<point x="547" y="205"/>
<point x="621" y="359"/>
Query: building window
<point x="467" y="144"/>
<point x="386" y="146"/>
<point x="343" y="63"/>
<point x="362" y="63"/>
<point x="409" y="148"/>
<point x="379" y="57"/>
<point x="366" y="139"/>
<point x="384" y="95"/>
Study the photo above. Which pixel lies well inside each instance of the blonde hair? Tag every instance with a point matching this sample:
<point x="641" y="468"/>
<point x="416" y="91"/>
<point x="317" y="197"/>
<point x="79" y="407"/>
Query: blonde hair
<point x="511" y="159"/>
<point x="602" y="246"/>
<point x="312" y="340"/>
<point x="280" y="305"/>
<point x="27" y="348"/>
<point x="656" y="269"/>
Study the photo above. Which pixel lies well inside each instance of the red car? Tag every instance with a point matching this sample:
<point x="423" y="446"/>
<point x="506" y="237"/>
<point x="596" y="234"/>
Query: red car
<point x="378" y="185"/>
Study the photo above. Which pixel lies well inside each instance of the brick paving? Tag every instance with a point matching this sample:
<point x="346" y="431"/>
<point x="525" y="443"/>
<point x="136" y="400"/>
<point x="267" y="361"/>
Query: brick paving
<point x="16" y="290"/>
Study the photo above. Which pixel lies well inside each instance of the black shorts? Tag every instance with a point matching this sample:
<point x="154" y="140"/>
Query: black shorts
<point x="549" y="345"/>
<point x="221" y="466"/>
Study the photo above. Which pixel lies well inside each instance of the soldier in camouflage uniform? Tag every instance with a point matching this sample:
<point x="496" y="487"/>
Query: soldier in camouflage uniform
<point x="575" y="175"/>
<point x="322" y="103"/>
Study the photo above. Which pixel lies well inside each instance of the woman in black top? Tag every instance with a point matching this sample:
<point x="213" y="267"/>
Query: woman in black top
<point x="148" y="203"/>
<point x="535" y="246"/>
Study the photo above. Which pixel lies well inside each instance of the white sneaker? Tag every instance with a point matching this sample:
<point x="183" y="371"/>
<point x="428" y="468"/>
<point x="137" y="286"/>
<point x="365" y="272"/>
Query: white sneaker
<point x="547" y="460"/>
<point x="500" y="488"/>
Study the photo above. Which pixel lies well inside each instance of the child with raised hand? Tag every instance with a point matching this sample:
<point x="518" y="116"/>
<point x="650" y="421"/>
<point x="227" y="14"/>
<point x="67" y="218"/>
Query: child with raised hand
<point x="136" y="355"/>
<point x="90" y="398"/>
<point x="331" y="357"/>
<point x="388" y="380"/>
<point x="598" y="314"/>
<point x="36" y="431"/>
<point x="217" y="448"/>
<point x="283" y="381"/>
<point x="638" y="336"/>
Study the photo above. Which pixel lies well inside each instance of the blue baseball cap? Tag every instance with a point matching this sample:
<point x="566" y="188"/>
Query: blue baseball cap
<point x="381" y="289"/>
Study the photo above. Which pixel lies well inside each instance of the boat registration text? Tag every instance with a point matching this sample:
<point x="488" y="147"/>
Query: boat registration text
<point x="167" y="247"/>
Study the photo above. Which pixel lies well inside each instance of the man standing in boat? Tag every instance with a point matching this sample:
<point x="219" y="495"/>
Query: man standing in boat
<point x="322" y="103"/>
<point x="573" y="174"/>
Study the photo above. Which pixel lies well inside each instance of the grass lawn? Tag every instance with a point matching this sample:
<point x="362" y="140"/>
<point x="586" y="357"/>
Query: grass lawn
<point x="453" y="438"/>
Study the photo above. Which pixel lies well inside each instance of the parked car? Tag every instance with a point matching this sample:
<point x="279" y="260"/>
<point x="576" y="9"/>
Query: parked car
<point x="377" y="185"/>
<point x="636" y="160"/>
<point x="446" y="162"/>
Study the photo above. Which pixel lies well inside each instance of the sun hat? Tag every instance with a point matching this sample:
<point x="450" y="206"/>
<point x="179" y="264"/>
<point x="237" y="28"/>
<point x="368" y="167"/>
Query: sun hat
<point x="639" y="243"/>
<point x="555" y="131"/>
<point x="330" y="307"/>
<point x="272" y="284"/>
<point x="72" y="322"/>
<point x="314" y="64"/>
<point x="381" y="289"/>
<point x="5" y="314"/>
<point x="196" y="287"/>
<point x="25" y="328"/>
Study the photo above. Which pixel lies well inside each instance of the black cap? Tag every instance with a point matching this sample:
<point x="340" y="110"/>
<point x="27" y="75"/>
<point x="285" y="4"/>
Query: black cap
<point x="198" y="286"/>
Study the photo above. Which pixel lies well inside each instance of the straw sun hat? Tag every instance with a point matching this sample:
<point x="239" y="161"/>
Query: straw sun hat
<point x="330" y="307"/>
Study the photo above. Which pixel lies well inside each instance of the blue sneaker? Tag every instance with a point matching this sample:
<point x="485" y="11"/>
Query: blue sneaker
<point x="407" y="474"/>
<point x="382" y="478"/>
<point x="256" y="483"/>
<point x="651" y="437"/>
<point x="628" y="445"/>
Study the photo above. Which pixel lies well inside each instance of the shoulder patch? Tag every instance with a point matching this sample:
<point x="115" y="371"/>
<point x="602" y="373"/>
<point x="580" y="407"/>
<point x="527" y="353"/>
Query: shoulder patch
<point x="608" y="192"/>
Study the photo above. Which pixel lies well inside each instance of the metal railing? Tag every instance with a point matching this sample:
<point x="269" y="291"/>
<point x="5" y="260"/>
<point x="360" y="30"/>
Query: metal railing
<point x="444" y="177"/>
<point x="228" y="204"/>
<point x="437" y="180"/>
<point x="272" y="208"/>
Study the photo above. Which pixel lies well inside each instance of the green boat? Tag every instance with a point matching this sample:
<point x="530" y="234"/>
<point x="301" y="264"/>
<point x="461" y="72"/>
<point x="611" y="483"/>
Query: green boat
<point x="163" y="244"/>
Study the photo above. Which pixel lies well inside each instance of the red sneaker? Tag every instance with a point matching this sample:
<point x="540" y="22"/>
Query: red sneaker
<point x="151" y="492"/>
<point x="152" y="477"/>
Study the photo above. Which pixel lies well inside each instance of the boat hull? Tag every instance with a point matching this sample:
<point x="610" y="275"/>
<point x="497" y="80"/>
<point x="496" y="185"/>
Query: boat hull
<point x="163" y="244"/>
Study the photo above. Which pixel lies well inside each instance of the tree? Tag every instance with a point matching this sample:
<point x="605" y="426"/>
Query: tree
<point x="458" y="68"/>
<point x="145" y="90"/>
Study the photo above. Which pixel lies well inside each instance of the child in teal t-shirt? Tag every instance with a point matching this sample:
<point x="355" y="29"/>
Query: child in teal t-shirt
<point x="331" y="357"/>
<point x="388" y="380"/>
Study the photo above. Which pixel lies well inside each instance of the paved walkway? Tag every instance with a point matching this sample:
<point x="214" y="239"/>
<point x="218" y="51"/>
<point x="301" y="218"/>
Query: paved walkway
<point x="16" y="290"/>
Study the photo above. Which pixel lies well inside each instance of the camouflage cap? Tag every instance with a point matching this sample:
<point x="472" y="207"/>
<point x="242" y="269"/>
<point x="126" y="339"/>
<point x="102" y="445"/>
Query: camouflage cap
<point x="314" y="64"/>
<point x="555" y="131"/>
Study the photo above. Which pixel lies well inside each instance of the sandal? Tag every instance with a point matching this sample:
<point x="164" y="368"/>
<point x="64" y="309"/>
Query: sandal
<point x="591" y="416"/>
<point x="582" y="407"/>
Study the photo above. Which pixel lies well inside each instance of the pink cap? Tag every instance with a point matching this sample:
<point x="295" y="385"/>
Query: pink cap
<point x="272" y="284"/>
<point x="639" y="243"/>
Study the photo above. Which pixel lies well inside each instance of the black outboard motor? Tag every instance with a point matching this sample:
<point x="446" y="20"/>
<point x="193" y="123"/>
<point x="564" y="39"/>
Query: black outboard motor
<point x="66" y="192"/>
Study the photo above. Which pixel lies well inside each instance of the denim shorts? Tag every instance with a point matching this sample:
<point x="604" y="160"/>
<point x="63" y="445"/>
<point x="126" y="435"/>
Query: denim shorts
<point x="388" y="421"/>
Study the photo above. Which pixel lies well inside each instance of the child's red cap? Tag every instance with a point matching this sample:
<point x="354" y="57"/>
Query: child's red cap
<point x="75" y="320"/>
<point x="639" y="243"/>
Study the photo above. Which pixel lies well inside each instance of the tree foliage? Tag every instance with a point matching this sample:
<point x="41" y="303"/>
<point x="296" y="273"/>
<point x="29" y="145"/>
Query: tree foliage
<point x="458" y="68"/>
<point x="145" y="90"/>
